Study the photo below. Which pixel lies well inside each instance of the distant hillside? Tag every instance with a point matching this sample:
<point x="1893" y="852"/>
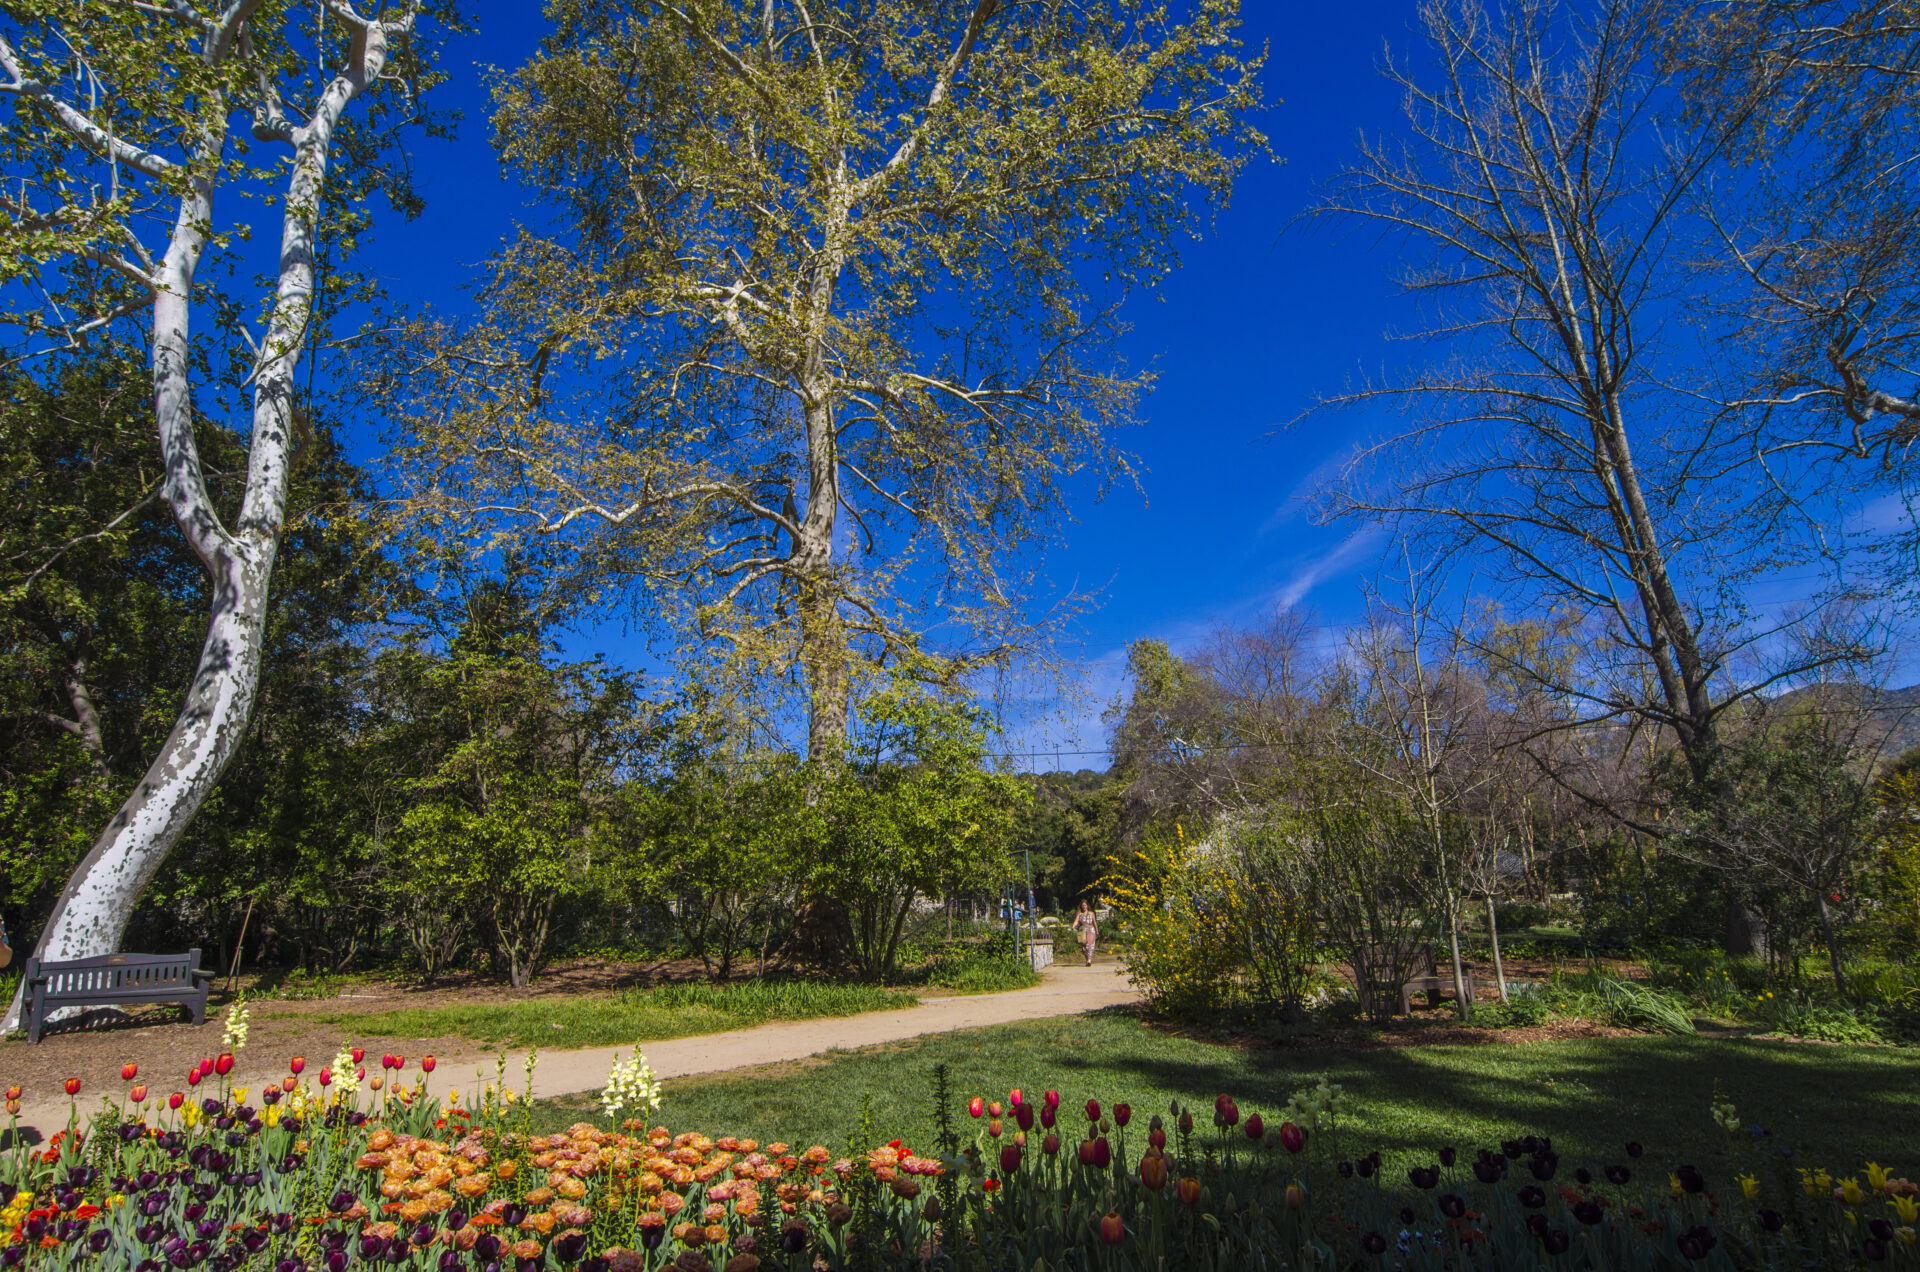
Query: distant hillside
<point x="1896" y="711"/>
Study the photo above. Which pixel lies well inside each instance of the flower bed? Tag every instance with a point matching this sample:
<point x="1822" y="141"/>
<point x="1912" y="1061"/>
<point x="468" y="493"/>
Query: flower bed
<point x="349" y="1172"/>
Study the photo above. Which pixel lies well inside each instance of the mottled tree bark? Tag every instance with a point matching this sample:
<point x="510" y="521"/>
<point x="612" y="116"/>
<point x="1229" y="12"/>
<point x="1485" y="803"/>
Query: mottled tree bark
<point x="90" y="918"/>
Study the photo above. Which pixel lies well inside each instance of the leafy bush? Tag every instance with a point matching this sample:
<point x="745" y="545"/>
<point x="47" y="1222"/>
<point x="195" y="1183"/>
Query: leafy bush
<point x="1525" y="1006"/>
<point x="1514" y="916"/>
<point x="1830" y="1022"/>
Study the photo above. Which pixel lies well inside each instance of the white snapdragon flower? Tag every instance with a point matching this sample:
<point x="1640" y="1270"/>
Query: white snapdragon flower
<point x="237" y="1026"/>
<point x="630" y="1085"/>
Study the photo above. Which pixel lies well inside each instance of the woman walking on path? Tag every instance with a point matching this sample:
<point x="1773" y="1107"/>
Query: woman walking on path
<point x="1088" y="929"/>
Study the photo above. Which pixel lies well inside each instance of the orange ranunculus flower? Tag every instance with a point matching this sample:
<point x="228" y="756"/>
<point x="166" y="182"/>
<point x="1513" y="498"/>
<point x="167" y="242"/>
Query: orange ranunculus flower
<point x="528" y="1249"/>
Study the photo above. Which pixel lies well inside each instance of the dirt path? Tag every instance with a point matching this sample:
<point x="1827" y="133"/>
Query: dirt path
<point x="166" y="1051"/>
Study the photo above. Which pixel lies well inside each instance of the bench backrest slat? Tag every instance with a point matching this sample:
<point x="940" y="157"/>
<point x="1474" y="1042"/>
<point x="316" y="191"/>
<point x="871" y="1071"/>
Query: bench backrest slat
<point x="117" y="973"/>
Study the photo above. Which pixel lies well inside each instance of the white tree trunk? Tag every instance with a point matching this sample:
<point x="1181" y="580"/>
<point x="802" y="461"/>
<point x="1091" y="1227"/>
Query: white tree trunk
<point x="91" y="915"/>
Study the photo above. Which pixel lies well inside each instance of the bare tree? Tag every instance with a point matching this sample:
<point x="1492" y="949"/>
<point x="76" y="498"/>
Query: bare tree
<point x="1823" y="227"/>
<point x="1420" y="721"/>
<point x="1563" y="434"/>
<point x="116" y="127"/>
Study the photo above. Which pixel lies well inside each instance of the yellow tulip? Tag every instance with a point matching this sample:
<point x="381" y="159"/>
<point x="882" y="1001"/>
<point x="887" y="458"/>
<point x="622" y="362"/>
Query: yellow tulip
<point x="1908" y="1208"/>
<point x="1876" y="1177"/>
<point x="1851" y="1194"/>
<point x="1749" y="1186"/>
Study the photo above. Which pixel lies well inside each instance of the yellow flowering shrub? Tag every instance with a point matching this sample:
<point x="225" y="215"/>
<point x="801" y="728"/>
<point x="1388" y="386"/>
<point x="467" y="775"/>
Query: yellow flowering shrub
<point x="1209" y="926"/>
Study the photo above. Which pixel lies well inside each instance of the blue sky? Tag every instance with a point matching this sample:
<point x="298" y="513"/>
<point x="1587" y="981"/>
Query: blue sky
<point x="1257" y="321"/>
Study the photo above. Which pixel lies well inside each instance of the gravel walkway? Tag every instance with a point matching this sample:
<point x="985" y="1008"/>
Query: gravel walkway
<point x="1065" y="990"/>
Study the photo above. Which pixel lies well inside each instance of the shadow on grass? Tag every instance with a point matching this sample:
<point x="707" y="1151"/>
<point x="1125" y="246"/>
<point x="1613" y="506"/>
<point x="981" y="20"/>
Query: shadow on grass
<point x="1834" y="1106"/>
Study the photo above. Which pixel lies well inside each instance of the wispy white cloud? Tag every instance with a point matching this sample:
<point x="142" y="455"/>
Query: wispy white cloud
<point x="1046" y="727"/>
<point x="1294" y="504"/>
<point x="1310" y="574"/>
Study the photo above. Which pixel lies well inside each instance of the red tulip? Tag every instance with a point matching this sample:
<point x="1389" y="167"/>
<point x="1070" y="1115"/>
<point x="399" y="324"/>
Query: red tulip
<point x="72" y="1085"/>
<point x="1085" y="1150"/>
<point x="129" y="1071"/>
<point x="288" y="1084"/>
<point x="1122" y="1114"/>
<point x="1153" y="1171"/>
<point x="1015" y="1098"/>
<point x="1046" y="1116"/>
<point x="1157" y="1138"/>
<point x="1255" y="1127"/>
<point x="1188" y="1191"/>
<point x="1186" y="1123"/>
<point x="399" y="1063"/>
<point x="1102" y="1153"/>
<point x="1023" y="1114"/>
<point x="1113" y="1229"/>
<point x="1292" y="1138"/>
<point x="326" y="1076"/>
<point x="1093" y="1110"/>
<point x="427" y="1063"/>
<point x="386" y="1061"/>
<point x="224" y="1065"/>
<point x="1052" y="1100"/>
<point x="139" y="1094"/>
<point x="175" y="1100"/>
<point x="1230" y="1116"/>
<point x="193" y="1076"/>
<point x="13" y="1092"/>
<point x="976" y="1106"/>
<point x="359" y="1054"/>
<point x="1009" y="1158"/>
<point x="359" y="1075"/>
<point x="1050" y="1145"/>
<point x="298" y="1065"/>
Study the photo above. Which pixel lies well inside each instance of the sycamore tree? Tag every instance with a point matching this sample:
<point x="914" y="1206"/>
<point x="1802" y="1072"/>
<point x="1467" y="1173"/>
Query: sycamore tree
<point x="819" y="334"/>
<point x="119" y="145"/>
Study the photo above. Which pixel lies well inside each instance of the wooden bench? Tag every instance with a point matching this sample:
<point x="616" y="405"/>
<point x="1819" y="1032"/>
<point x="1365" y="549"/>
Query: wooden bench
<point x="112" y="980"/>
<point x="1433" y="980"/>
<point x="1428" y="977"/>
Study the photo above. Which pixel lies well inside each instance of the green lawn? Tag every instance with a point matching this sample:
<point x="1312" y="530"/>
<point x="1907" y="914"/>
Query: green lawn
<point x="617" y="1020"/>
<point x="1839" y="1106"/>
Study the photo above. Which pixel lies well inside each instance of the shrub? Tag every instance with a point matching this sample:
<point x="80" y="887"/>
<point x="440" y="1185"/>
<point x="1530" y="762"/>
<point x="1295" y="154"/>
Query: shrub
<point x="1830" y="1022"/>
<point x="1525" y="1006"/>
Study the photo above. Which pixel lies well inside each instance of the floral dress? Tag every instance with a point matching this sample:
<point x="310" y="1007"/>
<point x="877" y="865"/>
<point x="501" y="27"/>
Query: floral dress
<point x="1088" y="928"/>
